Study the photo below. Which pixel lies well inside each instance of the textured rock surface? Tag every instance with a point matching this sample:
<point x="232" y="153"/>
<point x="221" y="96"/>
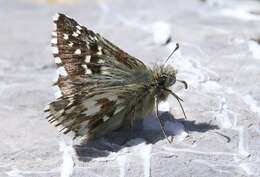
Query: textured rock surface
<point x="219" y="58"/>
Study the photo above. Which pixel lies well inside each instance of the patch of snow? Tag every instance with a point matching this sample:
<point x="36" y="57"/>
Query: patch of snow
<point x="213" y="166"/>
<point x="17" y="173"/>
<point x="14" y="173"/>
<point x="68" y="162"/>
<point x="254" y="48"/>
<point x="223" y="114"/>
<point x="241" y="145"/>
<point x="144" y="151"/>
<point x="164" y="106"/>
<point x="161" y="32"/>
<point x="145" y="154"/>
<point x="216" y="3"/>
<point x="186" y="150"/>
<point x="136" y="144"/>
<point x="242" y="13"/>
<point x="230" y="90"/>
<point x="246" y="168"/>
<point x="212" y="86"/>
<point x="252" y="103"/>
<point x="177" y="129"/>
<point x="193" y="72"/>
<point x="122" y="165"/>
<point x="224" y="120"/>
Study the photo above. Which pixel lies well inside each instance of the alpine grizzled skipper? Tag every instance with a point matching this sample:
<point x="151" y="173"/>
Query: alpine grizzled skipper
<point x="99" y="87"/>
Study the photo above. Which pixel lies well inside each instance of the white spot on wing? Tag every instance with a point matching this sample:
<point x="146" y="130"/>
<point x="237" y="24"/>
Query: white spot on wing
<point x="113" y="98"/>
<point x="104" y="70"/>
<point x="56" y="17"/>
<point x="75" y="34"/>
<point x="99" y="50"/>
<point x="105" y="118"/>
<point x="93" y="110"/>
<point x="55" y="79"/>
<point x="118" y="109"/>
<point x="57" y="92"/>
<point x="91" y="37"/>
<point x="61" y="71"/>
<point x="84" y="66"/>
<point x="57" y="60"/>
<point x="54" y="34"/>
<point x="88" y="71"/>
<point x="65" y="36"/>
<point x="87" y="44"/>
<point x="78" y="32"/>
<point x="78" y="27"/>
<point x="87" y="58"/>
<point x="101" y="61"/>
<point x="89" y="103"/>
<point x="70" y="44"/>
<point x="78" y="52"/>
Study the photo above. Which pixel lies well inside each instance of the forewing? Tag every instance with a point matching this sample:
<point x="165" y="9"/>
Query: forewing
<point x="80" y="52"/>
<point x="94" y="80"/>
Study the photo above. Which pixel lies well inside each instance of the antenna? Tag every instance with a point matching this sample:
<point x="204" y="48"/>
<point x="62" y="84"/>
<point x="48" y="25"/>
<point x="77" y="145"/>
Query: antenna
<point x="176" y="48"/>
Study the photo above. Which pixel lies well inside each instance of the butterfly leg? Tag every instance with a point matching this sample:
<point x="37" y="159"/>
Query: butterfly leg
<point x="133" y="120"/>
<point x="160" y="121"/>
<point x="179" y="101"/>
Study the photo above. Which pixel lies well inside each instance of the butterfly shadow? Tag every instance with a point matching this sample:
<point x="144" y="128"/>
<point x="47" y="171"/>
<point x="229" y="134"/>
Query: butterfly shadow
<point x="146" y="131"/>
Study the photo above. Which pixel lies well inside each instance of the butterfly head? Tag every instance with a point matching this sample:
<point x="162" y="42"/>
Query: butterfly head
<point x="165" y="77"/>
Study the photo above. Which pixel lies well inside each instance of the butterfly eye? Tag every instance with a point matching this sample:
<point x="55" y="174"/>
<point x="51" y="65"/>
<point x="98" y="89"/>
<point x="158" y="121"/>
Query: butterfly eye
<point x="166" y="80"/>
<point x="162" y="80"/>
<point x="163" y="77"/>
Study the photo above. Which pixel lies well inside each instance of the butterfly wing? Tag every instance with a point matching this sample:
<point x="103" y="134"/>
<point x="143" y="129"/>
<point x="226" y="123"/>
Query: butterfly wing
<point x="96" y="79"/>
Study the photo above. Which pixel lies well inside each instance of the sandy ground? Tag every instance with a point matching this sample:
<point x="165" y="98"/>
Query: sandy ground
<point x="219" y="57"/>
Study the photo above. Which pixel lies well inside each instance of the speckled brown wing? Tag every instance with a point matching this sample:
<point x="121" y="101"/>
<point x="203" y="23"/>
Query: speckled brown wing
<point x="95" y="80"/>
<point x="80" y="52"/>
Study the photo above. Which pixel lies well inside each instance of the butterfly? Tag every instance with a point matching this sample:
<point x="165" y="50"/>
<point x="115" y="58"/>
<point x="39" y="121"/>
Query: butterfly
<point x="101" y="88"/>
